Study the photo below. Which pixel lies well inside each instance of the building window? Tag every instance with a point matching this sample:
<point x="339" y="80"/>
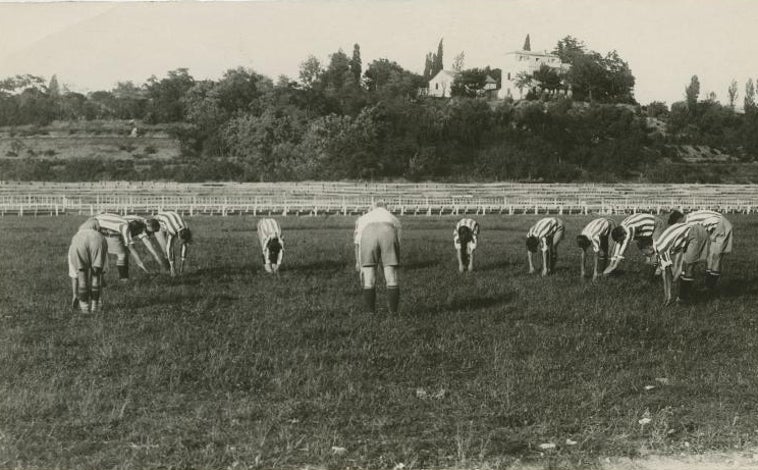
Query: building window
<point x="509" y="75"/>
<point x="436" y="86"/>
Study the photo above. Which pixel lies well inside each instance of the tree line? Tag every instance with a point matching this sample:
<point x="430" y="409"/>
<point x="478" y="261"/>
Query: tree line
<point x="344" y="120"/>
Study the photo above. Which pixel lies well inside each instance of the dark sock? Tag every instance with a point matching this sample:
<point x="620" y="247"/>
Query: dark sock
<point x="82" y="294"/>
<point x="369" y="299"/>
<point x="95" y="293"/>
<point x="393" y="295"/>
<point x="685" y="288"/>
<point x="712" y="279"/>
<point x="123" y="272"/>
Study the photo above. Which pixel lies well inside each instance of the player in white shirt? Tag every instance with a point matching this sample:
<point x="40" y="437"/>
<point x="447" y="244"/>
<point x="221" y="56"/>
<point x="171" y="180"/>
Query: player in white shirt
<point x="377" y="240"/>
<point x="720" y="232"/>
<point x="87" y="256"/>
<point x="465" y="241"/>
<point x="272" y="244"/>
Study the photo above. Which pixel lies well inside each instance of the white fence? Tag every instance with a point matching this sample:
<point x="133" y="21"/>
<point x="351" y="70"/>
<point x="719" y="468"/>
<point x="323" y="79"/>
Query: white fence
<point x="316" y="198"/>
<point x="402" y="205"/>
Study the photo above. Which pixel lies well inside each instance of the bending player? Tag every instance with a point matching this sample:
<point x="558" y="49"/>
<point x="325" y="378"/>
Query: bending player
<point x="720" y="233"/>
<point x="679" y="248"/>
<point x="465" y="241"/>
<point x="377" y="239"/>
<point x="642" y="228"/>
<point x="545" y="235"/>
<point x="596" y="234"/>
<point x="86" y="260"/>
<point x="151" y="227"/>
<point x="173" y="227"/>
<point x="272" y="245"/>
<point x="120" y="234"/>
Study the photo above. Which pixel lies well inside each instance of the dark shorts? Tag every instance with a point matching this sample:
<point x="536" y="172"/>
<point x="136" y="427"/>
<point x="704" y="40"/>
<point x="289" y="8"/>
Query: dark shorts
<point x="379" y="243"/>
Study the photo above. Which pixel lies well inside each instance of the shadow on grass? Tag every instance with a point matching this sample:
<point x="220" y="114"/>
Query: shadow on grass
<point x="499" y="265"/>
<point x="421" y="264"/>
<point x="219" y="271"/>
<point x="316" y="266"/>
<point x="175" y="300"/>
<point x="736" y="288"/>
<point x="469" y="304"/>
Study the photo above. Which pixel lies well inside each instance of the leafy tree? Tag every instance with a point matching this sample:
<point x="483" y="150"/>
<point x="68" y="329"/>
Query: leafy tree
<point x="749" y="100"/>
<point x="310" y="71"/>
<point x="458" y="62"/>
<point x="569" y="49"/>
<point x="165" y="96"/>
<point x="732" y="93"/>
<point x="386" y="80"/>
<point x="658" y="110"/>
<point x="471" y="82"/>
<point x="130" y="101"/>
<point x="549" y="78"/>
<point x="691" y="92"/>
<point x="593" y="77"/>
<point x="524" y="80"/>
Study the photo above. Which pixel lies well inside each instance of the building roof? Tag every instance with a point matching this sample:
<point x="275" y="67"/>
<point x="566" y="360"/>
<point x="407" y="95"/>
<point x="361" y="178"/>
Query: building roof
<point x="532" y="53"/>
<point x="449" y="73"/>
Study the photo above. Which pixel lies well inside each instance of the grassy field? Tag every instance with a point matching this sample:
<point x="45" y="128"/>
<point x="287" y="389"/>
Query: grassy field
<point x="227" y="367"/>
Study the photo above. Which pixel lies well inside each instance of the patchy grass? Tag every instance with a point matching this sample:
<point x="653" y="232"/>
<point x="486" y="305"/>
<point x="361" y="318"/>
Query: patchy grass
<point x="228" y="367"/>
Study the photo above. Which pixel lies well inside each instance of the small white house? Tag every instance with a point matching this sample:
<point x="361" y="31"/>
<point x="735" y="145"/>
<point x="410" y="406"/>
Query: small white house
<point x="441" y="83"/>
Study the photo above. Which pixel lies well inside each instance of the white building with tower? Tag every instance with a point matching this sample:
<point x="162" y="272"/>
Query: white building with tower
<point x="524" y="60"/>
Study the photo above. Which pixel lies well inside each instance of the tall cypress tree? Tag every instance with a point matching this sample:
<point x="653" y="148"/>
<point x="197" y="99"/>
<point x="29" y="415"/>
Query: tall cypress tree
<point x="527" y="44"/>
<point x="438" y="62"/>
<point x="428" y="67"/>
<point x="355" y="64"/>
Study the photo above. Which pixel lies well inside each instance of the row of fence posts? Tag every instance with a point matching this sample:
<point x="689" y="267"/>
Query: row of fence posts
<point x="428" y="207"/>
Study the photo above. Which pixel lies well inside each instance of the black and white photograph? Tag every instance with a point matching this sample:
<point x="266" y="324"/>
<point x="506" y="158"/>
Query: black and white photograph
<point x="379" y="234"/>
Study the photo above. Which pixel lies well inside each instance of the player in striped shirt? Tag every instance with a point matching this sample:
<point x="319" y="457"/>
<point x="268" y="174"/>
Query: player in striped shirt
<point x="465" y="241"/>
<point x="545" y="235"/>
<point x="596" y="234"/>
<point x="642" y="228"/>
<point x="120" y="234"/>
<point x="87" y="256"/>
<point x="720" y="232"/>
<point x="377" y="240"/>
<point x="152" y="226"/>
<point x="173" y="227"/>
<point x="678" y="249"/>
<point x="272" y="245"/>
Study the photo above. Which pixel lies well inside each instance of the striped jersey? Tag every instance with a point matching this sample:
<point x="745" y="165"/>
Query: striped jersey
<point x="472" y="224"/>
<point x="637" y="226"/>
<point x="596" y="230"/>
<point x="706" y="218"/>
<point x="672" y="240"/>
<point x="171" y="222"/>
<point x="114" y="224"/>
<point x="545" y="229"/>
<point x="268" y="229"/>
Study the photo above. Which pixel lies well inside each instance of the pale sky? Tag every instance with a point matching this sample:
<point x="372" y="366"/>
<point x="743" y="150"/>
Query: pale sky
<point x="93" y="45"/>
